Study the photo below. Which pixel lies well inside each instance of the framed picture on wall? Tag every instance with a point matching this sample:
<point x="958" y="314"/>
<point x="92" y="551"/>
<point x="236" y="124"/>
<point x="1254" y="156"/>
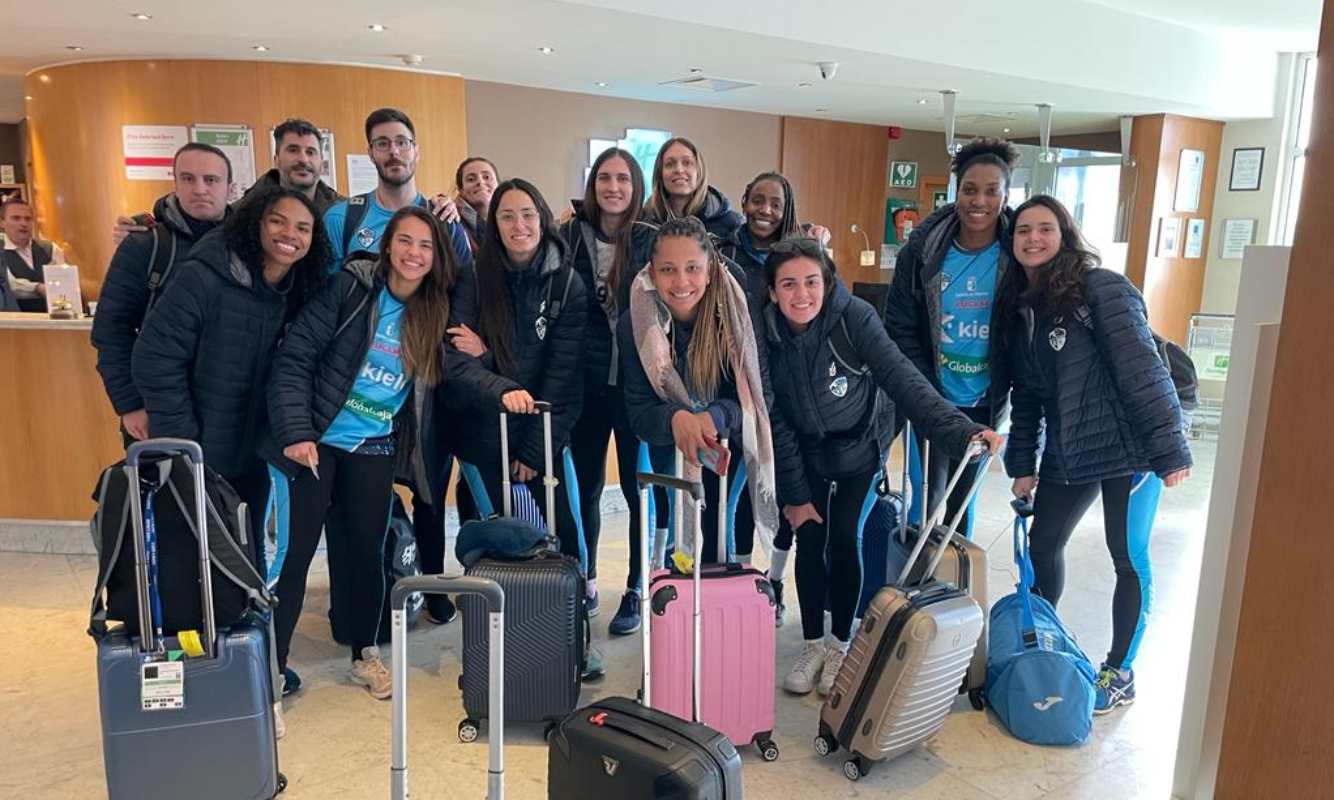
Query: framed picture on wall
<point x="1169" y="233"/>
<point x="1194" y="247"/>
<point x="1248" y="165"/>
<point x="1190" y="176"/>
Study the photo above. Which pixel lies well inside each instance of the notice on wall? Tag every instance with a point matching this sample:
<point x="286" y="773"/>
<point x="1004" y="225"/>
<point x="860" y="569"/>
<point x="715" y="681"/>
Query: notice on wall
<point x="6" y="173"/>
<point x="1194" y="239"/>
<point x="149" y="149"/>
<point x="361" y="174"/>
<point x="1237" y="233"/>
<point x="237" y="142"/>
<point x="903" y="174"/>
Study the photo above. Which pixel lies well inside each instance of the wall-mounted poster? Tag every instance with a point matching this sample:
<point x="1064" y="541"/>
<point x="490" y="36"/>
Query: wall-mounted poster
<point x="148" y="150"/>
<point x="1237" y="233"/>
<point x="1194" y="239"/>
<point x="1169" y="231"/>
<point x="1248" y="164"/>
<point x="361" y="174"/>
<point x="1190" y="176"/>
<point x="236" y="141"/>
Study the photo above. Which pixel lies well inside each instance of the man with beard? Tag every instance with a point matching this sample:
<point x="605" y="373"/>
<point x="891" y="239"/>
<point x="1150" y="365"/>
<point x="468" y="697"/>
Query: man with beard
<point x="356" y="223"/>
<point x="298" y="161"/>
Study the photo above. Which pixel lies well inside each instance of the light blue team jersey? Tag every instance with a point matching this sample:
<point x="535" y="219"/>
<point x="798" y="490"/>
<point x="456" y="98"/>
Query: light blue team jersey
<point x="968" y="289"/>
<point x="380" y="388"/>
<point x="368" y="233"/>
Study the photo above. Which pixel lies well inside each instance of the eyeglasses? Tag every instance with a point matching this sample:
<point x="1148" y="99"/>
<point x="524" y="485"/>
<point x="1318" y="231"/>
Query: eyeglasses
<point x="383" y="145"/>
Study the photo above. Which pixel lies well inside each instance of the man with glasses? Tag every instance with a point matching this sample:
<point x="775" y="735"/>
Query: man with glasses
<point x="357" y="223"/>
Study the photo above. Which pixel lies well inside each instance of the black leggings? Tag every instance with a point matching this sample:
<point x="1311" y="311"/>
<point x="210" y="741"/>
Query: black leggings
<point x="252" y="485"/>
<point x="829" y="558"/>
<point x="941" y="469"/>
<point x="603" y="414"/>
<point x="489" y="470"/>
<point x="1057" y="510"/>
<point x="354" y="489"/>
<point x="428" y="526"/>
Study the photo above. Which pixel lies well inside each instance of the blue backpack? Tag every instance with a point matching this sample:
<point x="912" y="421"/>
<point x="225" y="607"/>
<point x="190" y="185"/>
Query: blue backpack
<point x="1039" y="682"/>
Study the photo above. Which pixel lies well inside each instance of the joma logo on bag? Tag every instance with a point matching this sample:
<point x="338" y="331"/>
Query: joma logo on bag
<point x="1046" y="703"/>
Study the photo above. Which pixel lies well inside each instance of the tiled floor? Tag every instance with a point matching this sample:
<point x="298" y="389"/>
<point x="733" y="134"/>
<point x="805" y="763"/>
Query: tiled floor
<point x="338" y="740"/>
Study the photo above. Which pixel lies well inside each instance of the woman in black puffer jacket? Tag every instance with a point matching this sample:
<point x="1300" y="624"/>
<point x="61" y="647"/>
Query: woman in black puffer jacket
<point x="342" y="404"/>
<point x="532" y="317"/>
<point x="681" y="189"/>
<point x="837" y="379"/>
<point x="201" y="361"/>
<point x="1087" y="370"/>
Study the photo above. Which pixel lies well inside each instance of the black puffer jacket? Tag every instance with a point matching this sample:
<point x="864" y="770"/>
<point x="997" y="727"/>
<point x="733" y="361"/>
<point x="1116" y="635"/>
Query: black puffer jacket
<point x="741" y="250"/>
<point x="548" y="365"/>
<point x="123" y="300"/>
<point x="601" y="363"/>
<point x="826" y="405"/>
<point x="717" y="215"/>
<point x="202" y="359"/>
<point x="1098" y="387"/>
<point x="912" y="311"/>
<point x="325" y="196"/>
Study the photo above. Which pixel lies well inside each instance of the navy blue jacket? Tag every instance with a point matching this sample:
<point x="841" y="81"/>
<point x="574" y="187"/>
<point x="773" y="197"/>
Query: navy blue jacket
<point x="548" y="367"/>
<point x="1100" y="390"/>
<point x="601" y="363"/>
<point x="822" y="398"/>
<point x="717" y="215"/>
<point x="202" y="358"/>
<point x="123" y="301"/>
<point x="739" y="249"/>
<point x="912" y="310"/>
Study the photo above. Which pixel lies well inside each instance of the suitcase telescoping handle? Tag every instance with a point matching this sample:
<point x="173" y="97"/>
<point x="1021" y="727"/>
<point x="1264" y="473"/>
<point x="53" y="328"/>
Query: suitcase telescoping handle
<point x="195" y="454"/>
<point x="548" y="480"/>
<point x="695" y="490"/>
<point x="494" y="596"/>
<point x="975" y="449"/>
<point x="953" y="529"/>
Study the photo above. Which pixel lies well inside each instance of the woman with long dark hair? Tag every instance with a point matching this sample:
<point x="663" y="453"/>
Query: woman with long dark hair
<point x="343" y="416"/>
<point x="532" y="321"/>
<point x="475" y="180"/>
<point x="1087" y="371"/>
<point x="941" y="306"/>
<point x="607" y="244"/>
<point x="681" y="189"/>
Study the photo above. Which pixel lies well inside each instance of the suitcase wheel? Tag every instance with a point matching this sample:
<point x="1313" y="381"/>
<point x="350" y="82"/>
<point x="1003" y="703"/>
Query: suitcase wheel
<point x="468" y="731"/>
<point x="824" y="745"/>
<point x="856" y="768"/>
<point x="978" y="698"/>
<point x="768" y="749"/>
<point x="282" y="784"/>
<point x="547" y="730"/>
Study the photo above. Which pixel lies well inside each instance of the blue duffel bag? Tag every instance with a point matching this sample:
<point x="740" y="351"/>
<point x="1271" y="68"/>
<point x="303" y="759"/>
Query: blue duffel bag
<point x="1039" y="682"/>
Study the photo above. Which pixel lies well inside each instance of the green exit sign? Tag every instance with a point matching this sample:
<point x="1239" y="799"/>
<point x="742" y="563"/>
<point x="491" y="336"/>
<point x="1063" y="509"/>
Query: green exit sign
<point x="903" y="174"/>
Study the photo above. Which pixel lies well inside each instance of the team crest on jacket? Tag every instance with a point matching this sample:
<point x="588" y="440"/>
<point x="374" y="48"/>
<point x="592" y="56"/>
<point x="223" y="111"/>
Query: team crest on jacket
<point x="1057" y="338"/>
<point x="365" y="237"/>
<point x="838" y="387"/>
<point x="541" y="327"/>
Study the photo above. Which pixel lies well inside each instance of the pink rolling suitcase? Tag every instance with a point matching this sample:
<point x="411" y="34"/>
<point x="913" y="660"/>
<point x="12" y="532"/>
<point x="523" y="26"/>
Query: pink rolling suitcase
<point x="728" y="648"/>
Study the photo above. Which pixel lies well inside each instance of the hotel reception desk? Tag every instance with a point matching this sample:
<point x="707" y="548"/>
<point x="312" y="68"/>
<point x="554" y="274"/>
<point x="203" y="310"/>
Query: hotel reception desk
<point x="59" y="431"/>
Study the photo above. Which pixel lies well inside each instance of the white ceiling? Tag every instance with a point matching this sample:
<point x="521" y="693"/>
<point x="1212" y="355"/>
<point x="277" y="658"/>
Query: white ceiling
<point x="1093" y="61"/>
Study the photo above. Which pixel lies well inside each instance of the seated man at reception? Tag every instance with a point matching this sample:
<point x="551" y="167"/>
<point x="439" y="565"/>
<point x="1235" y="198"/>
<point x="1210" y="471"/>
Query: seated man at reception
<point x="143" y="264"/>
<point x="25" y="256"/>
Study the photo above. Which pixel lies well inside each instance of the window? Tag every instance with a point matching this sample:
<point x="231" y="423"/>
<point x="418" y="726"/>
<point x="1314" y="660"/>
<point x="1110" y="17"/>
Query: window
<point x="1297" y="145"/>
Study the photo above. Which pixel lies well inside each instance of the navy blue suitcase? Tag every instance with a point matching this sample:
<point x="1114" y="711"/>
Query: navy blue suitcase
<point x="214" y="738"/>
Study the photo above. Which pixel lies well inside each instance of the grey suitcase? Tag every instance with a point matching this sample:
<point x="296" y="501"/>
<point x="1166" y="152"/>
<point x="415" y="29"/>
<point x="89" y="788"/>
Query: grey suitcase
<point x="214" y="738"/>
<point x="904" y="667"/>
<point x="964" y="565"/>
<point x="493" y="596"/>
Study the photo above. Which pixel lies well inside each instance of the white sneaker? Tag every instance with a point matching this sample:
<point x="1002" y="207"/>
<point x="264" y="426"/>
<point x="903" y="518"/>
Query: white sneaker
<point x="371" y="672"/>
<point x="279" y="726"/>
<point x="804" y="674"/>
<point x="833" y="662"/>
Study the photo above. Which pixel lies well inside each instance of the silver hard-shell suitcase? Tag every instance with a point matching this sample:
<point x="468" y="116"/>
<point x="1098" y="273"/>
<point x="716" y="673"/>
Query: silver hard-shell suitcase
<point x="904" y="666"/>
<point x="214" y="740"/>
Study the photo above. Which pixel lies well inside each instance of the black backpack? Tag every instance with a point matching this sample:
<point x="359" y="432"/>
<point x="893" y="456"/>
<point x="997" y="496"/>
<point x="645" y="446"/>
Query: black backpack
<point x="400" y="561"/>
<point x="1177" y="361"/>
<point x="160" y="262"/>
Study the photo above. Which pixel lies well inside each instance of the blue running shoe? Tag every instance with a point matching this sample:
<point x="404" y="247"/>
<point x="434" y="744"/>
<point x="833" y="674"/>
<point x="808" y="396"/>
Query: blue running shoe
<point x="626" y="620"/>
<point x="1113" y="689"/>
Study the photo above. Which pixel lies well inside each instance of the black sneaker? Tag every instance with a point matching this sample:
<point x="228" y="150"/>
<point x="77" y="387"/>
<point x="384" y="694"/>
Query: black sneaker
<point x="291" y="682"/>
<point x="626" y="620"/>
<point x="779" y="608"/>
<point x="439" y="609"/>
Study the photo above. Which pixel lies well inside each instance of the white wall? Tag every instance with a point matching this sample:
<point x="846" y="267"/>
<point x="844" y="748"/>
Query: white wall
<point x="1223" y="276"/>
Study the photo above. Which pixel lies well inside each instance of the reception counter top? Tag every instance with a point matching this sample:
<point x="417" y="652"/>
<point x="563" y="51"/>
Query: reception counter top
<point x="59" y="430"/>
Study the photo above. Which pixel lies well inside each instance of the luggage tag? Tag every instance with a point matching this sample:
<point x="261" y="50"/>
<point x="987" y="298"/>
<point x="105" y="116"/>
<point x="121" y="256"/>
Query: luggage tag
<point x="162" y="685"/>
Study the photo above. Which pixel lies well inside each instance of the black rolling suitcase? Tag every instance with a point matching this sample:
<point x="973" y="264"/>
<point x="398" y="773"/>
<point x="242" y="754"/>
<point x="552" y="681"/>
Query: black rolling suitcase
<point x="546" y="622"/>
<point x="619" y="748"/>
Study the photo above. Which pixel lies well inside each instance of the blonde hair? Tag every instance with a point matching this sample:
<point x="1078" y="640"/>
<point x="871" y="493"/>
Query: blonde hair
<point x="659" y="202"/>
<point x="706" y="357"/>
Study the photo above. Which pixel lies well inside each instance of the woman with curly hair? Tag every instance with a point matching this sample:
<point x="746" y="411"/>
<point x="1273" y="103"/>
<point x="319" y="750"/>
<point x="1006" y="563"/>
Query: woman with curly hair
<point x="1086" y="369"/>
<point x="940" y="310"/>
<point x="202" y="358"/>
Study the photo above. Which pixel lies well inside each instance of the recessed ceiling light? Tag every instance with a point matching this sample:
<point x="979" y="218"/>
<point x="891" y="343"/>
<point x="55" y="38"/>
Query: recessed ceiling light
<point x="922" y="101"/>
<point x="44" y="78"/>
<point x="1005" y="130"/>
<point x="142" y="17"/>
<point x="821" y="110"/>
<point x="377" y="27"/>
<point x="76" y="48"/>
<point x="546" y="51"/>
<point x="259" y="48"/>
<point x="804" y="85"/>
<point x="27" y="97"/>
<point x="602" y="84"/>
<point x="695" y="70"/>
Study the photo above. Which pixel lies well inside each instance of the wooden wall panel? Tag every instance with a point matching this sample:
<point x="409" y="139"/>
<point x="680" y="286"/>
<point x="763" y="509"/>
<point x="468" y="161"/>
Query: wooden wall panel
<point x="1278" y="737"/>
<point x="76" y="113"/>
<point x="1173" y="286"/>
<point x="838" y="171"/>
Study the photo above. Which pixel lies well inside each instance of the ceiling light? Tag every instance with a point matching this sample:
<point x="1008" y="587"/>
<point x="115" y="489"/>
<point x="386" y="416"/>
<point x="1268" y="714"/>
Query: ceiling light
<point x="1005" y="130"/>
<point x="76" y="48"/>
<point x="923" y="101"/>
<point x="142" y="17"/>
<point x="804" y="85"/>
<point x="259" y="48"/>
<point x="602" y="84"/>
<point x="546" y="51"/>
<point x="821" y="110"/>
<point x="377" y="27"/>
<point x="44" y="78"/>
<point x="695" y="70"/>
<point x="27" y="97"/>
